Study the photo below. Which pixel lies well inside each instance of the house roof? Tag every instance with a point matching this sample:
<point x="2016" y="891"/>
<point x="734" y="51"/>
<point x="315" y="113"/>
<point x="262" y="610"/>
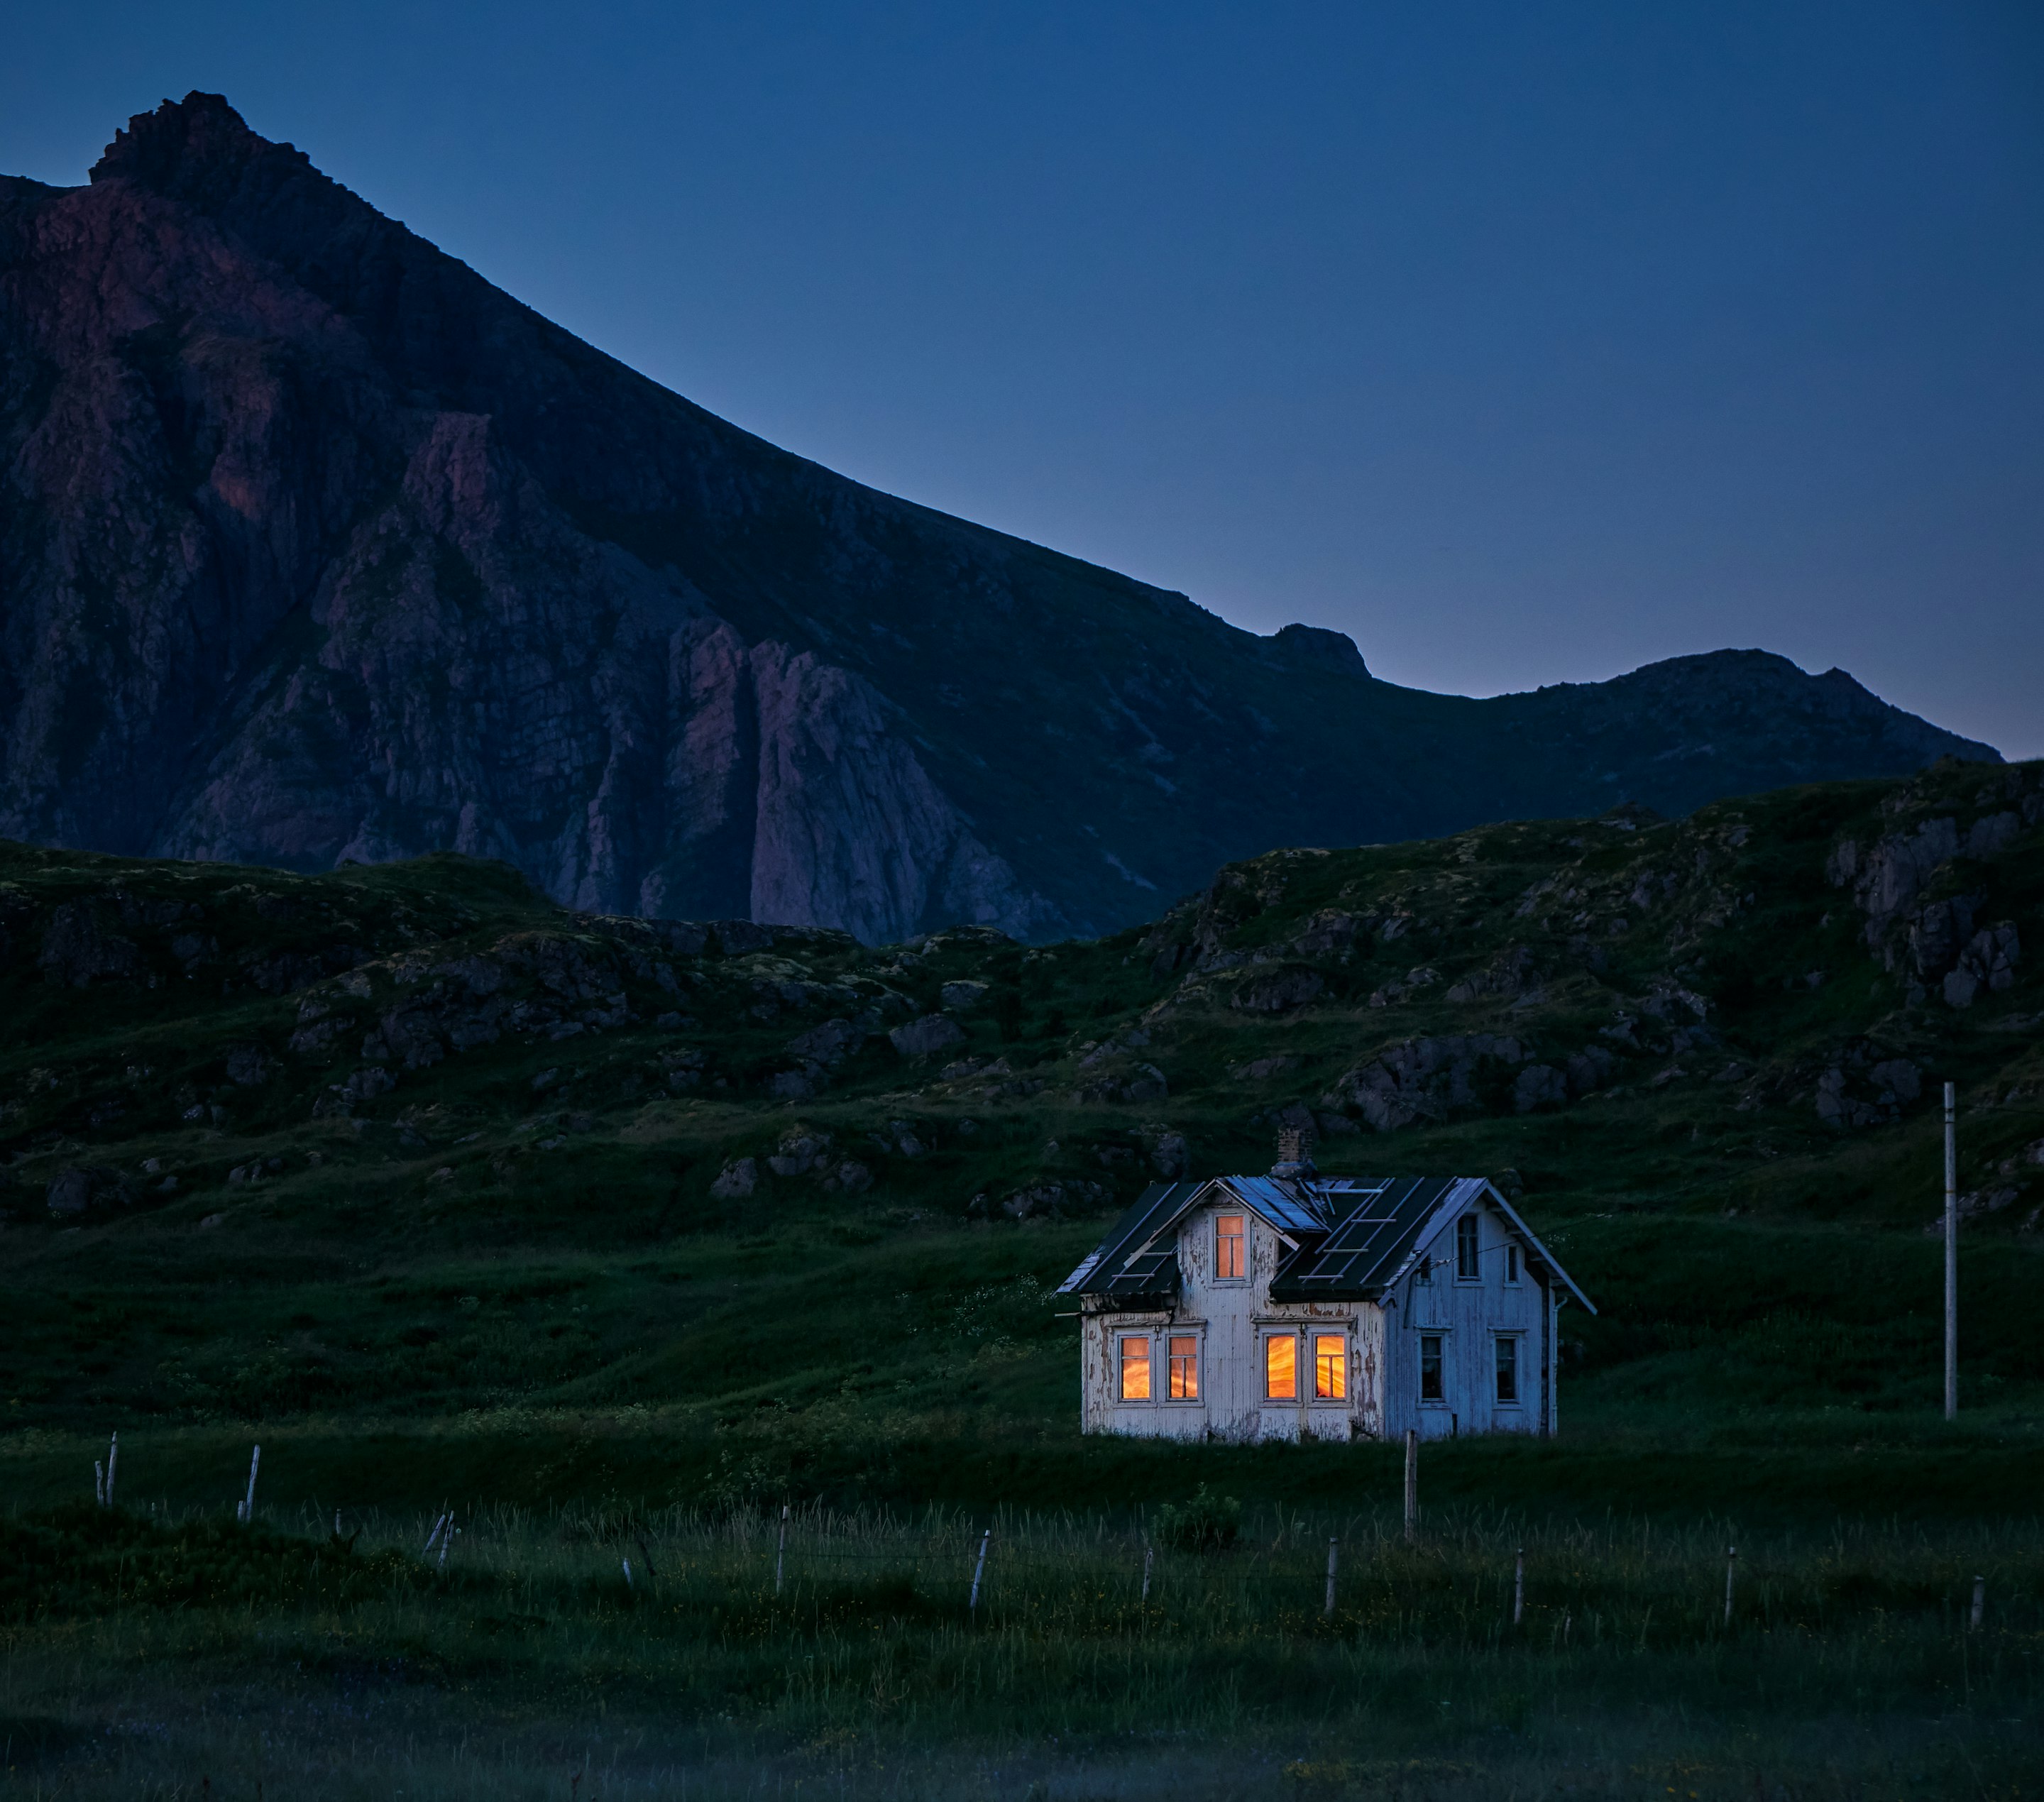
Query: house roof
<point x="1126" y="1263"/>
<point x="1349" y="1238"/>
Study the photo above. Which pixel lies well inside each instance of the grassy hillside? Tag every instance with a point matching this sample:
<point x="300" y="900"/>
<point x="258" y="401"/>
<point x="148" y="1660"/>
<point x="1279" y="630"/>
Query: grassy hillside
<point x="613" y="1236"/>
<point x="442" y="1185"/>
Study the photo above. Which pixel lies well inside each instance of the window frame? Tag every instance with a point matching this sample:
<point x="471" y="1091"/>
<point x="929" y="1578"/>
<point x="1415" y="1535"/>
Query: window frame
<point x="1440" y="1339"/>
<point x="1123" y="1337"/>
<point x="1341" y="1338"/>
<point x="1269" y="1336"/>
<point x="1198" y="1342"/>
<point x="1241" y="1242"/>
<point x="1514" y="1264"/>
<point x="1499" y="1341"/>
<point x="1471" y="1241"/>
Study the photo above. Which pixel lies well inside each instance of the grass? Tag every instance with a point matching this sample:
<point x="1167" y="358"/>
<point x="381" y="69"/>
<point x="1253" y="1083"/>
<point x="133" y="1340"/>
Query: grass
<point x="1849" y="1658"/>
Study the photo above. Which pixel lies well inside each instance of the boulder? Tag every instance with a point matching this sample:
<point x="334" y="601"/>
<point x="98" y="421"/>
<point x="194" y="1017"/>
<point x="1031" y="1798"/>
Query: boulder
<point x="1539" y="1085"/>
<point x="738" y="1178"/>
<point x="1428" y="1077"/>
<point x="249" y="1066"/>
<point x="1988" y="962"/>
<point x="78" y="950"/>
<point x="1170" y="1155"/>
<point x="1279" y="991"/>
<point x="800" y="1152"/>
<point x="829" y="1043"/>
<point x="927" y="1037"/>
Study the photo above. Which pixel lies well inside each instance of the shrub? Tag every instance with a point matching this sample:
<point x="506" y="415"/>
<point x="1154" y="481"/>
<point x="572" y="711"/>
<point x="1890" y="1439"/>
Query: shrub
<point x="1206" y="1524"/>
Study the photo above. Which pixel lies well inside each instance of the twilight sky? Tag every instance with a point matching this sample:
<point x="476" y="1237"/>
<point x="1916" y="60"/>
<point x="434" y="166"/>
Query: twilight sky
<point x="1525" y="344"/>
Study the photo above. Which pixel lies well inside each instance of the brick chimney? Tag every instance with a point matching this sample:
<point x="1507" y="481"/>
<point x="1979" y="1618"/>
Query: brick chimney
<point x="1294" y="1157"/>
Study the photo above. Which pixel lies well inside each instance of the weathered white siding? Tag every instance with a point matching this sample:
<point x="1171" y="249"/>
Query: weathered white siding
<point x="1231" y="1318"/>
<point x="1468" y="1318"/>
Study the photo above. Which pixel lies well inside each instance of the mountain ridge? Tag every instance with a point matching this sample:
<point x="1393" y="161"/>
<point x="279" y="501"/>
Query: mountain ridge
<point x="316" y="546"/>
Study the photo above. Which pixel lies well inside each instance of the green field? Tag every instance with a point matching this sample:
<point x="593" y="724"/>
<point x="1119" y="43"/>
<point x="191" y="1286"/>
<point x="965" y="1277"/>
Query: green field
<point x="511" y="1275"/>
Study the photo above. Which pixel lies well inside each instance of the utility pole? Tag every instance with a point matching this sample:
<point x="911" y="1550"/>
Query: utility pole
<point x="1951" y="1251"/>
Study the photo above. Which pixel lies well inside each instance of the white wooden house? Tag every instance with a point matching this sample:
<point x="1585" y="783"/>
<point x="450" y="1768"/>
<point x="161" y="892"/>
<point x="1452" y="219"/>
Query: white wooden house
<point x="1298" y="1306"/>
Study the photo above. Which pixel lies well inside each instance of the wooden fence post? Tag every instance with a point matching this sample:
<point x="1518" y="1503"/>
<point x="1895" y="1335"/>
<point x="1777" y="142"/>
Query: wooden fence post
<point x="1519" y="1587"/>
<point x="978" y="1571"/>
<point x="1980" y="1604"/>
<point x="112" y="1459"/>
<point x="1412" y="1483"/>
<point x="781" y="1550"/>
<point x="247" y="1511"/>
<point x="1334" y="1552"/>
<point x="1149" y="1552"/>
<point x="1731" y="1571"/>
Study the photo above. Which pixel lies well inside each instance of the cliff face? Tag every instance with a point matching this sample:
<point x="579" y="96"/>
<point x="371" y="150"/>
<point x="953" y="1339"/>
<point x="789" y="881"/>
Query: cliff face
<point x="313" y="546"/>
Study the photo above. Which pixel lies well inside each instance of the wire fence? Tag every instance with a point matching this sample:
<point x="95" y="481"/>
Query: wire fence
<point x="1471" y="1579"/>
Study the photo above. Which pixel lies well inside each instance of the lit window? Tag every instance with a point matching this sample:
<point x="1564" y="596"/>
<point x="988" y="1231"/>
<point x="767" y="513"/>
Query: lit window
<point x="1329" y="1367"/>
<point x="1228" y="1260"/>
<point x="1185" y="1369"/>
<point x="1281" y="1368"/>
<point x="1467" y="1269"/>
<point x="1429" y="1369"/>
<point x="1135" y="1368"/>
<point x="1511" y="1263"/>
<point x="1507" y="1369"/>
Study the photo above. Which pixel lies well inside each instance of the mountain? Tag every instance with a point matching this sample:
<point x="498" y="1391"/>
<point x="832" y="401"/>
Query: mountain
<point x="315" y="548"/>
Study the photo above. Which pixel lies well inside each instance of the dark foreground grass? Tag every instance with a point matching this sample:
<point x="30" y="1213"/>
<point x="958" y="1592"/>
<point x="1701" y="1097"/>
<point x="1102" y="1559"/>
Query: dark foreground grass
<point x="530" y="1664"/>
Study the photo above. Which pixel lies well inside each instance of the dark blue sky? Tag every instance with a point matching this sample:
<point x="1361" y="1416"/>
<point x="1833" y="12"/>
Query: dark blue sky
<point x="1526" y="344"/>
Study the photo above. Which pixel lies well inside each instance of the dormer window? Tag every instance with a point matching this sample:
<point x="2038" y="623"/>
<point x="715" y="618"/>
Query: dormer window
<point x="1230" y="1263"/>
<point x="1467" y="1249"/>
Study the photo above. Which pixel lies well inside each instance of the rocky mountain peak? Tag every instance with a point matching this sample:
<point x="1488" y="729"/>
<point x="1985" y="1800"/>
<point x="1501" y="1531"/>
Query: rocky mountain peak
<point x="315" y="545"/>
<point x="184" y="145"/>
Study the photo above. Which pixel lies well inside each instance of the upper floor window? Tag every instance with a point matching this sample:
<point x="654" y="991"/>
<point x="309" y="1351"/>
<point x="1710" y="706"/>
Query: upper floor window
<point x="1511" y="1263"/>
<point x="1185" y="1368"/>
<point x="1135" y="1367"/>
<point x="1329" y="1367"/>
<point x="1230" y="1264"/>
<point x="1280" y="1367"/>
<point x="1467" y="1269"/>
<point x="1507" y="1369"/>
<point x="1432" y="1387"/>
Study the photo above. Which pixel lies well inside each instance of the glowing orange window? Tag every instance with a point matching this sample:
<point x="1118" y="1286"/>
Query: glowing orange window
<point x="1330" y="1367"/>
<point x="1228" y="1259"/>
<point x="1135" y="1368"/>
<point x="1281" y="1368"/>
<point x="1185" y="1369"/>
